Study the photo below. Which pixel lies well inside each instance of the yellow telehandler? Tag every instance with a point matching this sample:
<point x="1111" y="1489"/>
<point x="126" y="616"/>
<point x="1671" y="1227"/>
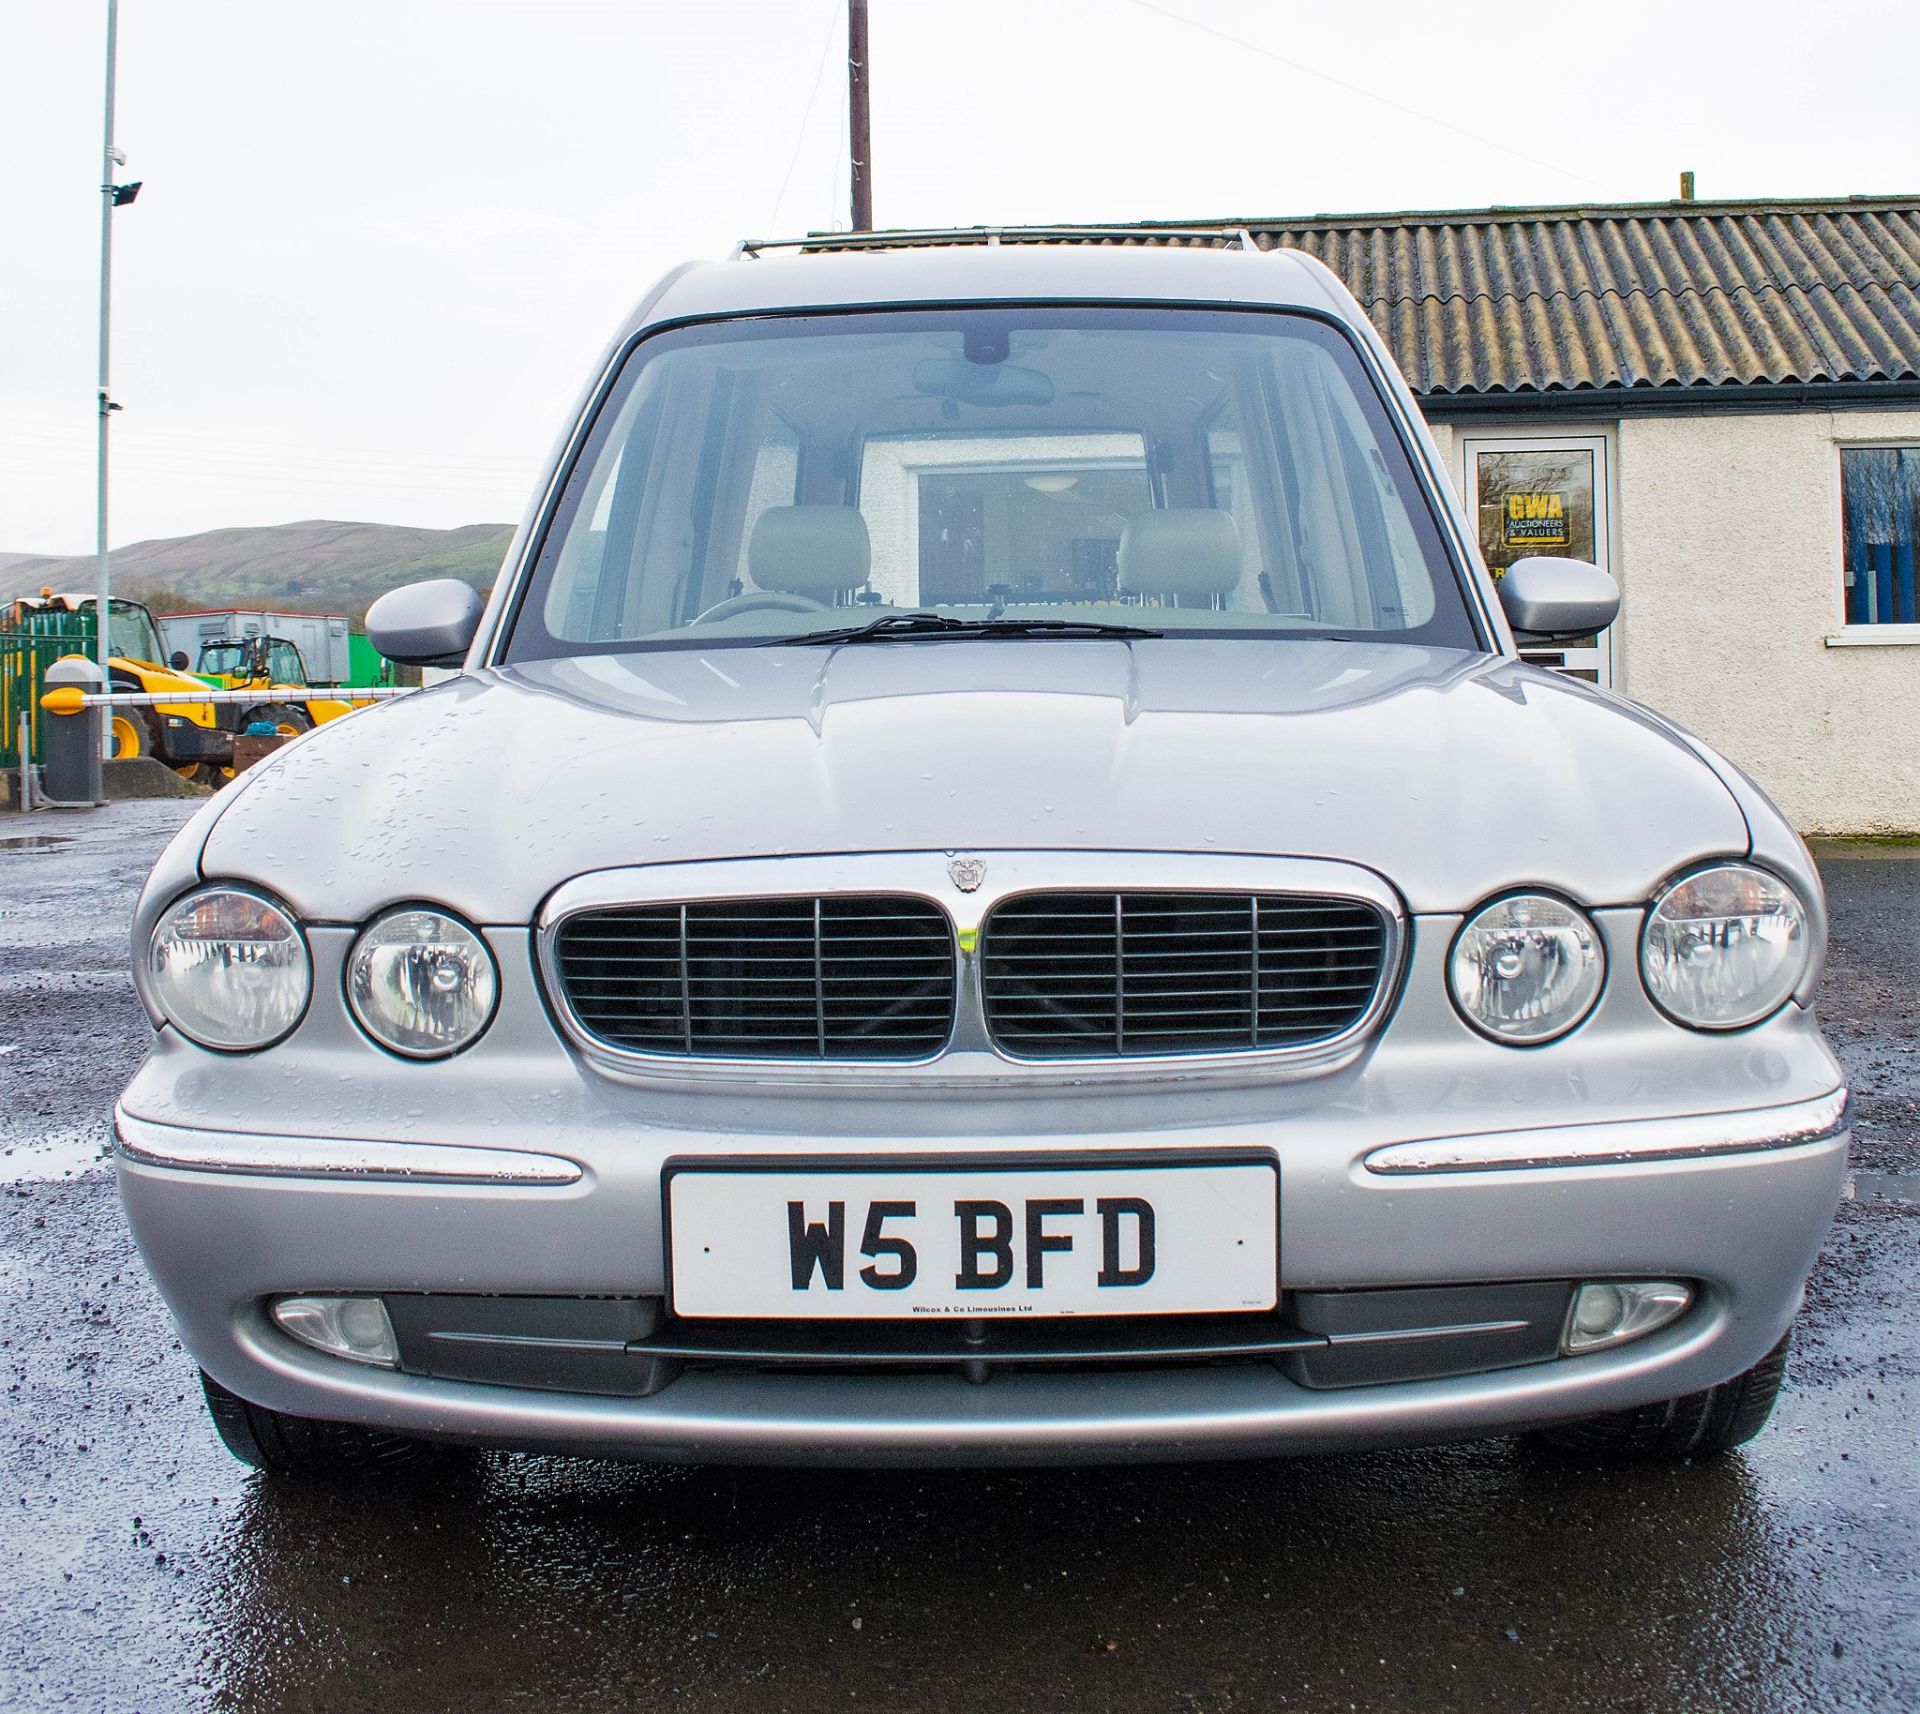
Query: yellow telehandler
<point x="276" y="668"/>
<point x="192" y="736"/>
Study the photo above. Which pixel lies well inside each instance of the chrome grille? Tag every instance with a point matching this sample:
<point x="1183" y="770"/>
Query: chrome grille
<point x="1104" y="974"/>
<point x="855" y="976"/>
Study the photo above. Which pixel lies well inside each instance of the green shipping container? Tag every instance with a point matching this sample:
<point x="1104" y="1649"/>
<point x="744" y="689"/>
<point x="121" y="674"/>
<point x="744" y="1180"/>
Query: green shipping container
<point x="367" y="666"/>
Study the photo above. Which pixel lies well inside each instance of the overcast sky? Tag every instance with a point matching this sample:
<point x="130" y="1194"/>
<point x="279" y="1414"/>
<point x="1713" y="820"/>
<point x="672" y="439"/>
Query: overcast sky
<point x="380" y="241"/>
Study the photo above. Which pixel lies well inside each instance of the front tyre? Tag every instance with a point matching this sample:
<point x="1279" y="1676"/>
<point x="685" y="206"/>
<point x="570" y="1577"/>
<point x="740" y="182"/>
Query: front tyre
<point x="286" y="718"/>
<point x="286" y="1445"/>
<point x="131" y="730"/>
<point x="1698" y="1425"/>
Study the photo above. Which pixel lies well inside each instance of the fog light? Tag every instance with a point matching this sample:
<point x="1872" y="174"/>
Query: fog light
<point x="356" y="1328"/>
<point x="1610" y="1312"/>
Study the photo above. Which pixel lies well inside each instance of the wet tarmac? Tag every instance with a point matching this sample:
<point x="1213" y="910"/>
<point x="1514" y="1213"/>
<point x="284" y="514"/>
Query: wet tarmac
<point x="143" y="1571"/>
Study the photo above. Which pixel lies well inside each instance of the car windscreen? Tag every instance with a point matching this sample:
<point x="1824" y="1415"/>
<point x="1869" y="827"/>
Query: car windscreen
<point x="1192" y="472"/>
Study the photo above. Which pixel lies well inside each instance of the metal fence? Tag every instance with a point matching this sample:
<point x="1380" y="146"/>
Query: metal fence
<point x="25" y="655"/>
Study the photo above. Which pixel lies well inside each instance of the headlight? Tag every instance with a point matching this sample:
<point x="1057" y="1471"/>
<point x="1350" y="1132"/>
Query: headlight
<point x="421" y="982"/>
<point x="1526" y="968"/>
<point x="1726" y="947"/>
<point x="229" y="969"/>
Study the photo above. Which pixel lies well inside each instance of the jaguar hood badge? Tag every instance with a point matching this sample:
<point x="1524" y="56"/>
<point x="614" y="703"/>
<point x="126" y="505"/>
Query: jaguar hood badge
<point x="967" y="873"/>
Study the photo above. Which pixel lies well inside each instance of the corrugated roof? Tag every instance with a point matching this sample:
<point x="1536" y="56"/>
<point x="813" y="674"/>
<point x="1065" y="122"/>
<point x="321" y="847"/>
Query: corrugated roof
<point x="1524" y="300"/>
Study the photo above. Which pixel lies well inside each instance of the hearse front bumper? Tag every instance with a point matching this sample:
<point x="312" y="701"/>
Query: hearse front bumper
<point x="1735" y="1203"/>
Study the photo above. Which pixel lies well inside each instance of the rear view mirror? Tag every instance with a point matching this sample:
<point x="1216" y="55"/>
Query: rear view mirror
<point x="979" y="384"/>
<point x="426" y="624"/>
<point x="1558" y="597"/>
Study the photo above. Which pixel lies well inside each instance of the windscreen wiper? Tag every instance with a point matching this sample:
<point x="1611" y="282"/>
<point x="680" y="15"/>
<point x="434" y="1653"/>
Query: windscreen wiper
<point x="910" y="625"/>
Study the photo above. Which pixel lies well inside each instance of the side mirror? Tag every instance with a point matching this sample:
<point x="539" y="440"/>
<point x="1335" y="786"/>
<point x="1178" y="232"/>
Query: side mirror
<point x="1558" y="597"/>
<point x="178" y="660"/>
<point x="426" y="624"/>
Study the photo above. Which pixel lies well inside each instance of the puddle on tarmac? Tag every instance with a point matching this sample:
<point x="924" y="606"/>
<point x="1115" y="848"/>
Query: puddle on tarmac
<point x="35" y="841"/>
<point x="34" y="1163"/>
<point x="1883" y="1187"/>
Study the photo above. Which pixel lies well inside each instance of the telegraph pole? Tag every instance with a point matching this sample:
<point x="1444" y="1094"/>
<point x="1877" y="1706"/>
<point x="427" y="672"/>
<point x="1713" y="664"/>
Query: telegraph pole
<point x="859" y="132"/>
<point x="110" y="194"/>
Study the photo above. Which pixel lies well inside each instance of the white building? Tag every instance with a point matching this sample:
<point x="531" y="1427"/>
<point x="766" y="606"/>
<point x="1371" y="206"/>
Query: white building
<point x="1719" y="402"/>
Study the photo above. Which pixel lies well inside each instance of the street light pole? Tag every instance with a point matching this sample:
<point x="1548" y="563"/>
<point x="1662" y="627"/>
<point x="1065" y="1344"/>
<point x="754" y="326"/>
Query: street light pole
<point x="859" y="137"/>
<point x="109" y="194"/>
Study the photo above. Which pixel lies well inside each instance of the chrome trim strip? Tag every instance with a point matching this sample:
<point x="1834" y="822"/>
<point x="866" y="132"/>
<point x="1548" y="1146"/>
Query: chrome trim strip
<point x="970" y="1057"/>
<point x="1148" y="1350"/>
<point x="1452" y="1330"/>
<point x="1621" y="1142"/>
<point x="194" y="1150"/>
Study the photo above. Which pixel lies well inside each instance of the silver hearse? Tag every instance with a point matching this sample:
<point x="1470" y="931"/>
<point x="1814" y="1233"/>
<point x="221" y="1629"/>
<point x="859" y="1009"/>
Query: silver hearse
<point x="993" y="889"/>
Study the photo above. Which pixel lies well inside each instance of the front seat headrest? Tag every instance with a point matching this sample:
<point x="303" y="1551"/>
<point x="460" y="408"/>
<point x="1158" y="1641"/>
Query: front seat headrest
<point x="1179" y="550"/>
<point x="809" y="550"/>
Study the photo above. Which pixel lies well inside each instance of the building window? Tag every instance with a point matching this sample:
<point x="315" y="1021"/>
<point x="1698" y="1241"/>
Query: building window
<point x="1880" y="514"/>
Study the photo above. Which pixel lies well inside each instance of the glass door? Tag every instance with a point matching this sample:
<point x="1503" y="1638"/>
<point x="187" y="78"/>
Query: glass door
<point x="1545" y="495"/>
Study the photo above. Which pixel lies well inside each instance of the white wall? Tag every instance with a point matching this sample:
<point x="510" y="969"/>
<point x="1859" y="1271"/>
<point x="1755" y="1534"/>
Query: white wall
<point x="1731" y="572"/>
<point x="1729" y="560"/>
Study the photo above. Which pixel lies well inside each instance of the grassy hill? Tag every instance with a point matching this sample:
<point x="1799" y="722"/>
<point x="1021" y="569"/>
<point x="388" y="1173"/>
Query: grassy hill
<point x="314" y="567"/>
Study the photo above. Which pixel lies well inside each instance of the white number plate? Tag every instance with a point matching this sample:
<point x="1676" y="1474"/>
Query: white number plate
<point x="901" y="1241"/>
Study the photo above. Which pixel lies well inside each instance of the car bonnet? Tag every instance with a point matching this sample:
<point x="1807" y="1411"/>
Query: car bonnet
<point x="1453" y="775"/>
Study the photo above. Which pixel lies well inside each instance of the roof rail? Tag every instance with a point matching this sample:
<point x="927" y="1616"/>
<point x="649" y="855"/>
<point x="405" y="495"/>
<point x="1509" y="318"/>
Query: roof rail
<point x="1239" y="236"/>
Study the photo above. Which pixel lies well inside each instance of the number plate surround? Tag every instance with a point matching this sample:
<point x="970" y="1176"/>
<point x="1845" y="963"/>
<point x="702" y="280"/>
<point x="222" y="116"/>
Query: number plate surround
<point x="1179" y="1284"/>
